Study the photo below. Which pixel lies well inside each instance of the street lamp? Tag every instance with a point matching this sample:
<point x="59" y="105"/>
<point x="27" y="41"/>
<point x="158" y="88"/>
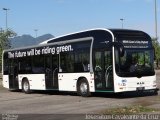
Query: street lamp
<point x="122" y="22"/>
<point x="6" y="9"/>
<point x="1" y="30"/>
<point x="155" y="4"/>
<point x="36" y="30"/>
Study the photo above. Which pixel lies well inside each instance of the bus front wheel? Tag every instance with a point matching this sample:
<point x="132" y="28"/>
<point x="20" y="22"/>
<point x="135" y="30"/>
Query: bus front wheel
<point x="83" y="88"/>
<point x="26" y="87"/>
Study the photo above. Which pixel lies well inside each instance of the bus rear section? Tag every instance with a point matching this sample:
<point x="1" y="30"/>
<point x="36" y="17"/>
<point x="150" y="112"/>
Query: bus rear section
<point x="9" y="72"/>
<point x="60" y="67"/>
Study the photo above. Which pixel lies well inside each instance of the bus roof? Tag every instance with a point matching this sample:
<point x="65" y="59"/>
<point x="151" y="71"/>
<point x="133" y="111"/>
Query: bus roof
<point x="113" y="32"/>
<point x="74" y="33"/>
<point x="89" y="33"/>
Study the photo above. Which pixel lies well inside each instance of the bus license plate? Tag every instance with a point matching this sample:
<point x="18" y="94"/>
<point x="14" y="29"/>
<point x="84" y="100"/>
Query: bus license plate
<point x="140" y="88"/>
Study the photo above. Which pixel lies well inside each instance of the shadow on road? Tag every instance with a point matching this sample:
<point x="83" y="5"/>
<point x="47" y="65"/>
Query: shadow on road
<point x="102" y="95"/>
<point x="98" y="94"/>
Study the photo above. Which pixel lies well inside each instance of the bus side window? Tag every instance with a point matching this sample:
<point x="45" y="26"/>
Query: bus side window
<point x="78" y="67"/>
<point x="6" y="67"/>
<point x="82" y="62"/>
<point x="67" y="62"/>
<point x="5" y="64"/>
<point x="38" y="64"/>
<point x="85" y="66"/>
<point x="25" y="65"/>
<point x="98" y="62"/>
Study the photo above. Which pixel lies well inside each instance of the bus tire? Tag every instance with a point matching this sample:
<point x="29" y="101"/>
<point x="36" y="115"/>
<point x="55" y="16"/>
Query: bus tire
<point x="26" y="87"/>
<point x="83" y="88"/>
<point x="155" y="92"/>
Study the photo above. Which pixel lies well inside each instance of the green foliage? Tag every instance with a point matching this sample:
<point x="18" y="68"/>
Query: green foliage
<point x="157" y="51"/>
<point x="136" y="109"/>
<point x="157" y="47"/>
<point x="4" y="41"/>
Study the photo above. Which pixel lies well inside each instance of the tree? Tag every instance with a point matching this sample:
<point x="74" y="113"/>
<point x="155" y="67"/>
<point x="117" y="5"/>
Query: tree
<point x="157" y="50"/>
<point x="4" y="41"/>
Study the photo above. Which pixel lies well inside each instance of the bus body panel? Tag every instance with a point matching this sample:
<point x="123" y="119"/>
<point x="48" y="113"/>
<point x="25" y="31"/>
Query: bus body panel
<point x="124" y="84"/>
<point x="36" y="81"/>
<point x="64" y="48"/>
<point x="68" y="81"/>
<point x="5" y="81"/>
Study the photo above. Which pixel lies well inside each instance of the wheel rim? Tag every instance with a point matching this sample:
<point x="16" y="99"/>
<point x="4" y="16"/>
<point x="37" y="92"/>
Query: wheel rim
<point x="25" y="86"/>
<point x="83" y="88"/>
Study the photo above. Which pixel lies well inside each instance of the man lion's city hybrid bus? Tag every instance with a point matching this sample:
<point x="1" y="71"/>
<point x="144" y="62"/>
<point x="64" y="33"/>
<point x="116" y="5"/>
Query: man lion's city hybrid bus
<point x="97" y="60"/>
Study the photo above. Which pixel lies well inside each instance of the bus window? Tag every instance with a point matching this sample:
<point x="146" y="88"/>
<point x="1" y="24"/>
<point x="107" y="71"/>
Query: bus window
<point x="85" y="62"/>
<point x="67" y="62"/>
<point x="48" y="63"/>
<point x="38" y="64"/>
<point x="98" y="69"/>
<point x="25" y="65"/>
<point x="98" y="61"/>
<point x="5" y="67"/>
<point x="5" y="64"/>
<point x="82" y="62"/>
<point x="108" y="69"/>
<point x="142" y="61"/>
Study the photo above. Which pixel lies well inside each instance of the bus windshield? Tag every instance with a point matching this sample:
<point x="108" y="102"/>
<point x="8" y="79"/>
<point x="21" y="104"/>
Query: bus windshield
<point x="135" y="63"/>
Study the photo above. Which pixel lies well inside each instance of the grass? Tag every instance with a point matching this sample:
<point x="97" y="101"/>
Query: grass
<point x="130" y="110"/>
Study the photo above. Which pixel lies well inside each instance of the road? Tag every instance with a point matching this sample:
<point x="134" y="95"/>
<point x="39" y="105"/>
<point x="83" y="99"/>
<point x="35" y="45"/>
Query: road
<point x="51" y="103"/>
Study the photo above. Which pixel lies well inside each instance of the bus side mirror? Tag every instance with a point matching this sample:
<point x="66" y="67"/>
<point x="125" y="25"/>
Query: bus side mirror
<point x="119" y="47"/>
<point x="121" y="50"/>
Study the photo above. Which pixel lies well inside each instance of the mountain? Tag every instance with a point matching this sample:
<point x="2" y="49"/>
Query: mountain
<point x="28" y="40"/>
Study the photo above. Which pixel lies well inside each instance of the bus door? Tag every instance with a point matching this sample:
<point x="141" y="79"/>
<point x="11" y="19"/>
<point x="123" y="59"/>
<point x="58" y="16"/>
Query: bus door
<point x="103" y="70"/>
<point x="51" y="71"/>
<point x="13" y="74"/>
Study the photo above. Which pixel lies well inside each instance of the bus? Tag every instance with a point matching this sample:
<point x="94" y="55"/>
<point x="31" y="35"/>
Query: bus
<point x="96" y="60"/>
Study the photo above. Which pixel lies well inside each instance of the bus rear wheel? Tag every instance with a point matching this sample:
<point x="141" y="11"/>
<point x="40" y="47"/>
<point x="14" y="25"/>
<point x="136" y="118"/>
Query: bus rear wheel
<point x="26" y="87"/>
<point x="83" y="88"/>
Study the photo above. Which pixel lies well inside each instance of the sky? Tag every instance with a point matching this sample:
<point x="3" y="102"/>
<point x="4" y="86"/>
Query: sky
<point x="59" y="17"/>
